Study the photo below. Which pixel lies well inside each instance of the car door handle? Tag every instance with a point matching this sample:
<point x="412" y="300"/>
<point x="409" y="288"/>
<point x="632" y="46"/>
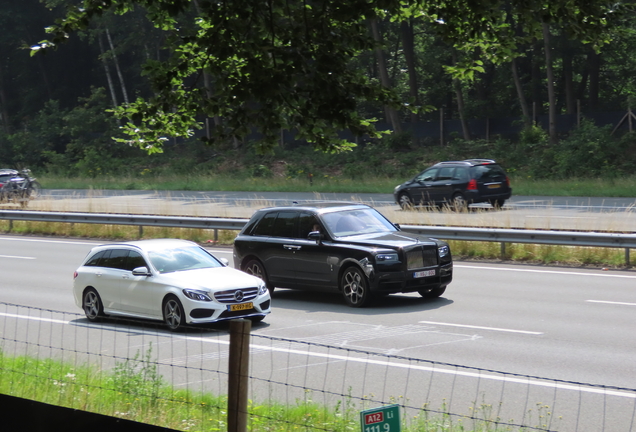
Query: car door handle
<point x="292" y="247"/>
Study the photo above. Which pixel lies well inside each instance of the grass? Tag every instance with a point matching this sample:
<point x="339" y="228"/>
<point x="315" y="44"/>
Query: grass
<point x="134" y="390"/>
<point x="623" y="187"/>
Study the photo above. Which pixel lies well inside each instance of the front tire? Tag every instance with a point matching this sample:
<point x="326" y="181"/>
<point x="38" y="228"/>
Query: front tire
<point x="405" y="201"/>
<point x="173" y="314"/>
<point x="432" y="292"/>
<point x="256" y="268"/>
<point x="355" y="287"/>
<point x="92" y="305"/>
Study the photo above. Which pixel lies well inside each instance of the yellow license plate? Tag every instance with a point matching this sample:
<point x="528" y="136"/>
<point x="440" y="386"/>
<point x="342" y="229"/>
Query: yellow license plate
<point x="240" y="307"/>
<point x="494" y="186"/>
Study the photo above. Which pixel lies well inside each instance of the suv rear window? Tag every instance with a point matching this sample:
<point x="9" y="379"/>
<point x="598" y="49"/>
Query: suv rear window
<point x="488" y="172"/>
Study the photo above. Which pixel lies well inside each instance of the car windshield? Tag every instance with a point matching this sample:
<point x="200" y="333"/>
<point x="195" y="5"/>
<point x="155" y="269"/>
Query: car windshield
<point x="358" y="221"/>
<point x="179" y="259"/>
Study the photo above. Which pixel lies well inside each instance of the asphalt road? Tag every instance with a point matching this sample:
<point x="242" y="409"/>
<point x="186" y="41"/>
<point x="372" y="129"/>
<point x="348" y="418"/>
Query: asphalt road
<point x="567" y="324"/>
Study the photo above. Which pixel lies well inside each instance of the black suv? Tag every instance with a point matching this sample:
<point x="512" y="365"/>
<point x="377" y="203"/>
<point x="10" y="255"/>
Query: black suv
<point x="456" y="184"/>
<point x="345" y="247"/>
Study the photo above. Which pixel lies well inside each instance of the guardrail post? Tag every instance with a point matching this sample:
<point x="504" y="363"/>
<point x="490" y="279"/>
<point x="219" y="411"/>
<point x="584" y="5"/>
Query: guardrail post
<point x="141" y="231"/>
<point x="627" y="260"/>
<point x="216" y="235"/>
<point x="238" y="375"/>
<point x="503" y="250"/>
<point x="10" y="225"/>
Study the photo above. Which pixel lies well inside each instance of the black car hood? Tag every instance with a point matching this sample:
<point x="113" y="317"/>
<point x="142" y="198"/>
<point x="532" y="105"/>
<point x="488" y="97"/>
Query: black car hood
<point x="392" y="240"/>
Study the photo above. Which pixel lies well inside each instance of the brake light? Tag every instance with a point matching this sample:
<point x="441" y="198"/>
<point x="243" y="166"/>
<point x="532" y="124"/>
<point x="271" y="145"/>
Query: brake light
<point x="507" y="181"/>
<point x="472" y="185"/>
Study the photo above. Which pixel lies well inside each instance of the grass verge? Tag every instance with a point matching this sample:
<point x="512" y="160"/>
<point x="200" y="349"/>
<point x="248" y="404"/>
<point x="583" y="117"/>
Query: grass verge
<point x="583" y="187"/>
<point x="134" y="390"/>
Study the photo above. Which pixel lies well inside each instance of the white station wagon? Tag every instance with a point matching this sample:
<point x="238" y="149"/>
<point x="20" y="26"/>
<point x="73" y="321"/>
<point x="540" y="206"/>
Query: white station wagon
<point x="175" y="281"/>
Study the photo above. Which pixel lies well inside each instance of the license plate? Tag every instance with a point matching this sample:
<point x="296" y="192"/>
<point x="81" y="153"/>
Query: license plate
<point x="494" y="186"/>
<point x="240" y="307"/>
<point x="424" y="273"/>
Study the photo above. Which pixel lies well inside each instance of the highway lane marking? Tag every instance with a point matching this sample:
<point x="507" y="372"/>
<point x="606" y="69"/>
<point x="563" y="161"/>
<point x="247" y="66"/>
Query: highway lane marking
<point x="481" y="328"/>
<point x="17" y="257"/>
<point x="611" y="302"/>
<point x="508" y="378"/>
<point x="49" y="241"/>
<point x="545" y="271"/>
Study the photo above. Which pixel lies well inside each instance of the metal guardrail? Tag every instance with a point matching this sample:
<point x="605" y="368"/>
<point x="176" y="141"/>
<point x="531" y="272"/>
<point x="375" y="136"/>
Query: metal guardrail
<point x="503" y="236"/>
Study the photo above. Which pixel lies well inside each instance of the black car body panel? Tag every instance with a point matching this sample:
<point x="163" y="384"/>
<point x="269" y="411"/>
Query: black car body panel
<point x="392" y="261"/>
<point x="472" y="180"/>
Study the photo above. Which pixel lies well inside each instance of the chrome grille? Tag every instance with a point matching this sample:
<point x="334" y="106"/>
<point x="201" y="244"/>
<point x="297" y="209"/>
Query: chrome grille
<point x="230" y="296"/>
<point x="421" y="257"/>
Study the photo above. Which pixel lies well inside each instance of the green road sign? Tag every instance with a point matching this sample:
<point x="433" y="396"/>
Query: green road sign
<point x="383" y="419"/>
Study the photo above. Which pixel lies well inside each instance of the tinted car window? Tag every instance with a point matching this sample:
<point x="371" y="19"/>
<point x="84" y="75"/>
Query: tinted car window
<point x="488" y="172"/>
<point x="285" y="224"/>
<point x="445" y="173"/>
<point x="264" y="227"/>
<point x="135" y="260"/>
<point x="428" y="175"/>
<point x="94" y="261"/>
<point x="461" y="174"/>
<point x="306" y="224"/>
<point x="116" y="259"/>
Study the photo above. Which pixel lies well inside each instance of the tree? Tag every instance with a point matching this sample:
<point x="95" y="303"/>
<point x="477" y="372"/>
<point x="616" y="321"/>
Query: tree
<point x="287" y="65"/>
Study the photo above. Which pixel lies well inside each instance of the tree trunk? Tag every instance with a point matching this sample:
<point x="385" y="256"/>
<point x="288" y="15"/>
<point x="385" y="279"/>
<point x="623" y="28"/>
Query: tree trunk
<point x="391" y="114"/>
<point x="109" y="79"/>
<point x="594" y="66"/>
<point x="4" y="112"/>
<point x="551" y="92"/>
<point x="570" y="99"/>
<point x="119" y="74"/>
<point x="409" y="55"/>
<point x="525" y="110"/>
<point x="460" y="104"/>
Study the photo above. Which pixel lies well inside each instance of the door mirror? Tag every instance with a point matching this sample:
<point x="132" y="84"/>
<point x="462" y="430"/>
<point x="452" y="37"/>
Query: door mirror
<point x="141" y="271"/>
<point x="315" y="235"/>
<point x="224" y="261"/>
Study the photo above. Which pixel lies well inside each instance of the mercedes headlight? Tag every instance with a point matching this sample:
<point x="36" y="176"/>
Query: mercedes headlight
<point x="196" y="295"/>
<point x="262" y="288"/>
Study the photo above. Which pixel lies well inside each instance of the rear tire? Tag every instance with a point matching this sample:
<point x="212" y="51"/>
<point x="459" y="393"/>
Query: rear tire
<point x="498" y="203"/>
<point x="92" y="305"/>
<point x="432" y="292"/>
<point x="256" y="268"/>
<point x="459" y="203"/>
<point x="35" y="190"/>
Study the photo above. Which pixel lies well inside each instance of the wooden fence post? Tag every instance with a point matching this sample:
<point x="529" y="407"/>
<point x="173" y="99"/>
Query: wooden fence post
<point x="239" y="362"/>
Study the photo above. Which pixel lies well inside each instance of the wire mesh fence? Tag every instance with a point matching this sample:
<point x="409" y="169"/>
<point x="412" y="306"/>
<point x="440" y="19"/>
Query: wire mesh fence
<point x="139" y="370"/>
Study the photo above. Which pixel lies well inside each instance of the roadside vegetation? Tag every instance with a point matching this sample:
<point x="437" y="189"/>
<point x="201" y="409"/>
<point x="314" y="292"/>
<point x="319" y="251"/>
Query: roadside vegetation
<point x="134" y="390"/>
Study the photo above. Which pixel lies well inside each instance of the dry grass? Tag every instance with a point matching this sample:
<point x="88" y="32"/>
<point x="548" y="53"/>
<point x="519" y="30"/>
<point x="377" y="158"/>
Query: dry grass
<point x="175" y="204"/>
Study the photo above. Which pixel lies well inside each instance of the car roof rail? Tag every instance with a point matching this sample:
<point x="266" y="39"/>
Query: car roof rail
<point x="480" y="161"/>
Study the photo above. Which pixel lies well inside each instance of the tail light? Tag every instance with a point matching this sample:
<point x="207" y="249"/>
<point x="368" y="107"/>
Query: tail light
<point x="472" y="185"/>
<point x="507" y="181"/>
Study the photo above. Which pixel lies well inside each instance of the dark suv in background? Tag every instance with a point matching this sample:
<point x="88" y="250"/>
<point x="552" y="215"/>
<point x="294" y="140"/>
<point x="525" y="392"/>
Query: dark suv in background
<point x="456" y="184"/>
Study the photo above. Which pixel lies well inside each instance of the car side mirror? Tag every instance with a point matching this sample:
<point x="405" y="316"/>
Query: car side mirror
<point x="224" y="261"/>
<point x="315" y="235"/>
<point x="397" y="225"/>
<point x="141" y="271"/>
